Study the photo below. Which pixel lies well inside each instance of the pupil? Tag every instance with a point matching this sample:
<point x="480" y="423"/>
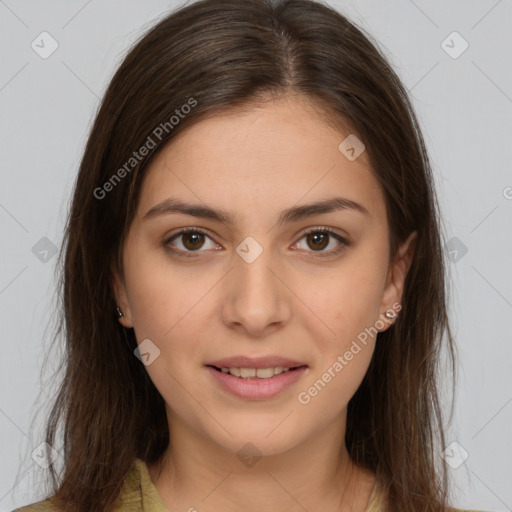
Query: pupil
<point x="315" y="236"/>
<point x="196" y="243"/>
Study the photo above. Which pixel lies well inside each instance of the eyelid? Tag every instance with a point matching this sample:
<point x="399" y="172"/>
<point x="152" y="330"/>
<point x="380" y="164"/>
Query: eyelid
<point x="314" y="229"/>
<point x="326" y="229"/>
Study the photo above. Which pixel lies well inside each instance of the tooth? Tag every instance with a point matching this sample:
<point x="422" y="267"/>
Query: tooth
<point x="247" y="372"/>
<point x="264" y="373"/>
<point x="261" y="373"/>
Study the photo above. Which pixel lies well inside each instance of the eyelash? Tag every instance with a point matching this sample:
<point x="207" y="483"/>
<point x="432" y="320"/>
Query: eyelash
<point x="191" y="254"/>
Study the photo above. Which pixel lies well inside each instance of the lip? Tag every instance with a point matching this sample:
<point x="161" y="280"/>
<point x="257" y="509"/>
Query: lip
<point x="253" y="388"/>
<point x="255" y="362"/>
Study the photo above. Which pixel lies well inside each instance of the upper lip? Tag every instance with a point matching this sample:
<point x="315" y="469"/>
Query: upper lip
<point x="255" y="362"/>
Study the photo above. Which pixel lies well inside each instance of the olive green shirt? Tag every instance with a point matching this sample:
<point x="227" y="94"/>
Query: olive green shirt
<point x="140" y="495"/>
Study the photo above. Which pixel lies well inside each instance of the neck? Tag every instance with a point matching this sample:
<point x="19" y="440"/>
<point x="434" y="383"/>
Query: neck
<point x="316" y="474"/>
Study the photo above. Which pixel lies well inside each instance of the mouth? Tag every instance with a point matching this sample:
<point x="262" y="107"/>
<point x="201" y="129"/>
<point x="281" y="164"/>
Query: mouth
<point x="256" y="373"/>
<point x="255" y="383"/>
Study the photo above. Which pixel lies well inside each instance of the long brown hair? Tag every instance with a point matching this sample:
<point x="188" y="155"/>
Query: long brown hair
<point x="214" y="55"/>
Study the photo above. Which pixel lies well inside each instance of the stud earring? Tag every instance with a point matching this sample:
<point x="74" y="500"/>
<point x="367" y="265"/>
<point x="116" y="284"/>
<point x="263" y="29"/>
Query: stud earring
<point x="390" y="314"/>
<point x="119" y="313"/>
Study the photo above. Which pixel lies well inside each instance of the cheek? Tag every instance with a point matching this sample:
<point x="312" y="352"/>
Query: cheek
<point x="328" y="391"/>
<point x="346" y="302"/>
<point x="344" y="351"/>
<point x="151" y="306"/>
<point x="155" y="296"/>
<point x="168" y="307"/>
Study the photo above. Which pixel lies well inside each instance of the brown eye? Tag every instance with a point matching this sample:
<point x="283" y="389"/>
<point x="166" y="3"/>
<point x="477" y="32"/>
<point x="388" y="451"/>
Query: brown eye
<point x="192" y="241"/>
<point x="317" y="240"/>
<point x="189" y="241"/>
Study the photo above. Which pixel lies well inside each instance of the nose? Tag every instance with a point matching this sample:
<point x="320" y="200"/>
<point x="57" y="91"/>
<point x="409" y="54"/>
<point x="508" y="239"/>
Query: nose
<point x="256" y="298"/>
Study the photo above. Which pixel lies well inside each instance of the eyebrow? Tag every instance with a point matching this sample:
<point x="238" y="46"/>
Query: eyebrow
<point x="296" y="213"/>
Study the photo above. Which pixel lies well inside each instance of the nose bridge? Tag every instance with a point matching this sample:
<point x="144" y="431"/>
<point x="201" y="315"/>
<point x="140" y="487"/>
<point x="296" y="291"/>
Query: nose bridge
<point x="252" y="268"/>
<point x="255" y="296"/>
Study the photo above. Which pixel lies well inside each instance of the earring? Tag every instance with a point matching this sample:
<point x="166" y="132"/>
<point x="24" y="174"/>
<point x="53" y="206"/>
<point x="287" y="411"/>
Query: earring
<point x="390" y="315"/>
<point x="119" y="313"/>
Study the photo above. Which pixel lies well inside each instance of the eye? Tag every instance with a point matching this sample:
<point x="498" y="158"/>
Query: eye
<point x="319" y="238"/>
<point x="192" y="241"/>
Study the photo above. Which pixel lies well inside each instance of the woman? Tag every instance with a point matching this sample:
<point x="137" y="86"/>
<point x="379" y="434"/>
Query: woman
<point x="256" y="205"/>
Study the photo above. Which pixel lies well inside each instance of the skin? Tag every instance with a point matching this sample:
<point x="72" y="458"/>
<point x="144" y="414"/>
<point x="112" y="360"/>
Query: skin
<point x="289" y="301"/>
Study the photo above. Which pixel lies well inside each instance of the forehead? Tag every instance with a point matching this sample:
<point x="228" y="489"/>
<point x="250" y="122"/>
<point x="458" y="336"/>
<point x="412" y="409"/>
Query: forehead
<point x="270" y="156"/>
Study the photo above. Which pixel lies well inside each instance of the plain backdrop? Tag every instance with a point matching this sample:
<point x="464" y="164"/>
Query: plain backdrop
<point x="454" y="58"/>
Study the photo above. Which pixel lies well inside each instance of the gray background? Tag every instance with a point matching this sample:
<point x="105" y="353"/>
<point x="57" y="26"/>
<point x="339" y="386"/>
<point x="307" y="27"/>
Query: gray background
<point x="464" y="105"/>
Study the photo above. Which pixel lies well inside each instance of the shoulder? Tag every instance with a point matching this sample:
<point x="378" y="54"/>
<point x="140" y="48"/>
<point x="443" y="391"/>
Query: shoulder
<point x="466" y="510"/>
<point x="378" y="503"/>
<point x="46" y="505"/>
<point x="135" y="489"/>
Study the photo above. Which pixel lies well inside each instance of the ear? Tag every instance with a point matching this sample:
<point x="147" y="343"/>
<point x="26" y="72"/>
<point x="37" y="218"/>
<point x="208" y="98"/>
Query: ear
<point x="119" y="288"/>
<point x="398" y="269"/>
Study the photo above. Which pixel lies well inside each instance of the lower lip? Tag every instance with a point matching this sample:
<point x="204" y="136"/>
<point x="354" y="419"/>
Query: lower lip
<point x="254" y="388"/>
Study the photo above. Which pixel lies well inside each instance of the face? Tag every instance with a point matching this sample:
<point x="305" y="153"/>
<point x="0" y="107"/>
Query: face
<point x="259" y="283"/>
